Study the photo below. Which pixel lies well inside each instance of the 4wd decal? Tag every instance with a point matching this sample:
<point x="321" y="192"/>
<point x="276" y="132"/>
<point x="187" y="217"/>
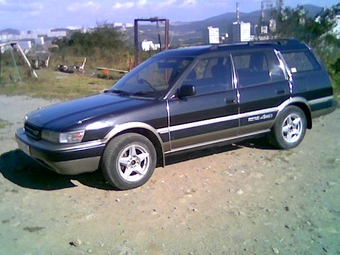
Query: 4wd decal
<point x="260" y="117"/>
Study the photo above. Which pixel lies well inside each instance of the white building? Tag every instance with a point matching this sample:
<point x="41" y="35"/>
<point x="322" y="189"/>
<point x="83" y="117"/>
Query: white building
<point x="211" y="35"/>
<point x="241" y="32"/>
<point x="25" y="45"/>
<point x="117" y="24"/>
<point x="40" y="41"/>
<point x="336" y="29"/>
<point x="149" y="45"/>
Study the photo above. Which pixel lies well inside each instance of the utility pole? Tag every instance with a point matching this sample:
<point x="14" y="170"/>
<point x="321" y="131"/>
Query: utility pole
<point x="279" y="5"/>
<point x="238" y="13"/>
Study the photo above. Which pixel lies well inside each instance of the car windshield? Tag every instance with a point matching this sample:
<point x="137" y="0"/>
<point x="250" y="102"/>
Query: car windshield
<point x="153" y="78"/>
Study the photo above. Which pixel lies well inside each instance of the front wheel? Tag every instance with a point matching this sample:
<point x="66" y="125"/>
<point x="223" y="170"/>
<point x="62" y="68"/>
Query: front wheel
<point x="289" y="128"/>
<point x="128" y="161"/>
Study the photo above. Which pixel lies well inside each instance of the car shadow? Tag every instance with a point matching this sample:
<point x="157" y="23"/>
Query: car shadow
<point x="255" y="143"/>
<point x="22" y="170"/>
<point x="178" y="158"/>
<point x="261" y="143"/>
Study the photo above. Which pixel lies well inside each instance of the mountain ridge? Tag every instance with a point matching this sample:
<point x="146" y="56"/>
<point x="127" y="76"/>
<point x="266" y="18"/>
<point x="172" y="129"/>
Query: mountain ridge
<point x="218" y="20"/>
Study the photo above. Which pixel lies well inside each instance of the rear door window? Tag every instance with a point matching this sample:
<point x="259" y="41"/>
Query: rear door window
<point x="252" y="68"/>
<point x="255" y="68"/>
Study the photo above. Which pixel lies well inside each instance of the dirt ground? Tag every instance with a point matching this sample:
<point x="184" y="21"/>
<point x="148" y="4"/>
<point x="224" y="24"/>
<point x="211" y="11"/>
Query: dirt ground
<point x="241" y="199"/>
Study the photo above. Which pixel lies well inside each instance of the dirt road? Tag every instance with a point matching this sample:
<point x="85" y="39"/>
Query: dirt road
<point x="243" y="199"/>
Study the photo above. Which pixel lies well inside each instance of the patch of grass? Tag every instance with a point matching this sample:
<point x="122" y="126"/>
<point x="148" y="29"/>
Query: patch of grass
<point x="56" y="85"/>
<point x="4" y="123"/>
<point x="336" y="86"/>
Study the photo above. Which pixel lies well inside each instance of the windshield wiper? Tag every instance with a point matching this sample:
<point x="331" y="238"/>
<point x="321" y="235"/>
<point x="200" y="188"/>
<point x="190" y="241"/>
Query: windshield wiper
<point x="146" y="93"/>
<point x="117" y="91"/>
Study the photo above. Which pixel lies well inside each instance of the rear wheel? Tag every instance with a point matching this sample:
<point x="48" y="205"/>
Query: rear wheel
<point x="129" y="161"/>
<point x="289" y="128"/>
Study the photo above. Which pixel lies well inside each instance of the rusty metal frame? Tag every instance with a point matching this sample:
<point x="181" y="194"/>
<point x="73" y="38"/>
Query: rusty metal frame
<point x="16" y="43"/>
<point x="136" y="43"/>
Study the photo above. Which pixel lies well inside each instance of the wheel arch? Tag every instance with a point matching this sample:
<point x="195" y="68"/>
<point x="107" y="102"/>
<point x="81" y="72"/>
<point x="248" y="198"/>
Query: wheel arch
<point x="306" y="111"/>
<point x="142" y="129"/>
<point x="303" y="105"/>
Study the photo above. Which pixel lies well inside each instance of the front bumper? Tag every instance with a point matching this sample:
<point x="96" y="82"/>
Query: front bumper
<point x="62" y="158"/>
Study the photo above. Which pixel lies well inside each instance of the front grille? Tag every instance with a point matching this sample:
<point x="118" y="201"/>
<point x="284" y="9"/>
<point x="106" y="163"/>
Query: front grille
<point x="32" y="131"/>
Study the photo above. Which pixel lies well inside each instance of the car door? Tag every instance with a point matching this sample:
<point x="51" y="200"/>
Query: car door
<point x="211" y="115"/>
<point x="262" y="86"/>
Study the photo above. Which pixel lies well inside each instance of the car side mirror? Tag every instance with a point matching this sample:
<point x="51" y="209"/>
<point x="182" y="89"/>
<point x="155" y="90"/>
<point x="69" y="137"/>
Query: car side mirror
<point x="186" y="90"/>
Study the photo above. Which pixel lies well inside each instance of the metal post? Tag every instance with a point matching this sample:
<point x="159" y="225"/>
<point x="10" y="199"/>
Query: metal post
<point x="136" y="43"/>
<point x="27" y="61"/>
<point x="167" y="34"/>
<point x="0" y="63"/>
<point x="15" y="64"/>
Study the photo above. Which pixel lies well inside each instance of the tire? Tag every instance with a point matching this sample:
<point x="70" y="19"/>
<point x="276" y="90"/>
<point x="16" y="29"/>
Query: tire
<point x="289" y="128"/>
<point x="129" y="161"/>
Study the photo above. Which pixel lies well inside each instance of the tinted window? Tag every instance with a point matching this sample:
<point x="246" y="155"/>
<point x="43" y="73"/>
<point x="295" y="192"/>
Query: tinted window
<point x="155" y="75"/>
<point x="252" y="68"/>
<point x="301" y="61"/>
<point x="210" y="75"/>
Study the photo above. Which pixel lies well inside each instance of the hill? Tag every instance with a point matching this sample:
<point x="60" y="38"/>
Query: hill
<point x="9" y="31"/>
<point x="191" y="32"/>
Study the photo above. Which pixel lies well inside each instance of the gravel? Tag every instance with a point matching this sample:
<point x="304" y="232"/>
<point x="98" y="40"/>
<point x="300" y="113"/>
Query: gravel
<point x="247" y="198"/>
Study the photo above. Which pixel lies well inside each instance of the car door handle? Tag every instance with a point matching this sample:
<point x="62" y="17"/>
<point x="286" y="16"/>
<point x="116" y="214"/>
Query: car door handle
<point x="280" y="92"/>
<point x="230" y="100"/>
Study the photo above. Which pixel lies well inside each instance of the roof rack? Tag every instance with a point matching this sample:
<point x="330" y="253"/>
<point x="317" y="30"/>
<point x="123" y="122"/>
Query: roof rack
<point x="263" y="42"/>
<point x="219" y="45"/>
<point x="276" y="41"/>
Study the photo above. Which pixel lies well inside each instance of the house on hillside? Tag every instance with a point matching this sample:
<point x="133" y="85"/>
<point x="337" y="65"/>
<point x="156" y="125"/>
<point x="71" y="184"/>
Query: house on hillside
<point x="336" y="10"/>
<point x="336" y="29"/>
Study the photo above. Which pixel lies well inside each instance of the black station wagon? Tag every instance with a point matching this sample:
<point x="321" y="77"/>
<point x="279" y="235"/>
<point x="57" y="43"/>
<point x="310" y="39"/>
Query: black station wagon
<point x="179" y="100"/>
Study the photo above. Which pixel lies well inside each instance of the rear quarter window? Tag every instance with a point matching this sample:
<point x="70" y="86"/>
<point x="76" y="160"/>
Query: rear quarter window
<point x="302" y="61"/>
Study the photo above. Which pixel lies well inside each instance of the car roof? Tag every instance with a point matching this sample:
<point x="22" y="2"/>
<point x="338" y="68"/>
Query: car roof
<point x="193" y="51"/>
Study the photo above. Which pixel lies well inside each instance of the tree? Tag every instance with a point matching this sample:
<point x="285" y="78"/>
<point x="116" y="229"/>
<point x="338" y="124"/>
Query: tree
<point x="295" y="23"/>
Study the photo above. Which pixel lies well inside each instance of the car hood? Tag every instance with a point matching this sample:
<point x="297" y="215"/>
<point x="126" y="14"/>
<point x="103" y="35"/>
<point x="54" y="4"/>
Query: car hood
<point x="79" y="111"/>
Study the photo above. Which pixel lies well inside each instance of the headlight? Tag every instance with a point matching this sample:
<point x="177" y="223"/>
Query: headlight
<point x="67" y="137"/>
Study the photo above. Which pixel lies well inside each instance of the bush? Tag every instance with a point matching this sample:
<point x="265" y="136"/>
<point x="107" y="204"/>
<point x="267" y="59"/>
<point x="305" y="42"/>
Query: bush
<point x="103" y="46"/>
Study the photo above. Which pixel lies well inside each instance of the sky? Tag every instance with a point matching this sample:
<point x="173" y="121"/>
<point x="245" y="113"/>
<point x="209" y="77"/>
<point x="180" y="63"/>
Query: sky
<point x="47" y="14"/>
